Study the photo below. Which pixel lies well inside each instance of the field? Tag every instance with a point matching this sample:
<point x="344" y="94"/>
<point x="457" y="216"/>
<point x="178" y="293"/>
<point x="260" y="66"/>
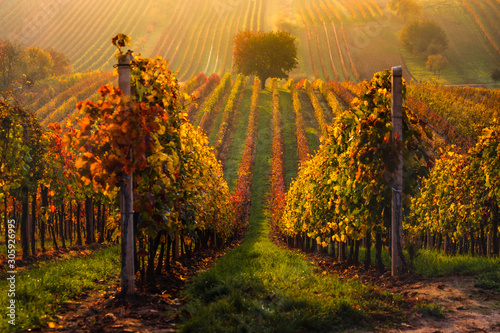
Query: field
<point x="255" y="209"/>
<point x="337" y="39"/>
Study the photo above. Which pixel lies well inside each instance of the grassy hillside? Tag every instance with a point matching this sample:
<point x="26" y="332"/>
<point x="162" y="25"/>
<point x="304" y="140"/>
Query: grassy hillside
<point x="337" y="39"/>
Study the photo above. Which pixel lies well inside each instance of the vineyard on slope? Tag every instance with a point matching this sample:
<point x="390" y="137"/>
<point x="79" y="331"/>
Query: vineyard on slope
<point x="334" y="35"/>
<point x="340" y="193"/>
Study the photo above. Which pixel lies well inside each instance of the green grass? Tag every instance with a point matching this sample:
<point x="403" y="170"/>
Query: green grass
<point x="432" y="310"/>
<point x="290" y="157"/>
<point x="433" y="264"/>
<point x="40" y="291"/>
<point x="258" y="287"/>
<point x="238" y="143"/>
<point x="470" y="57"/>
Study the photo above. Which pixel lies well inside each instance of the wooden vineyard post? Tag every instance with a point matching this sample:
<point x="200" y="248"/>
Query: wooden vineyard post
<point x="397" y="190"/>
<point x="126" y="199"/>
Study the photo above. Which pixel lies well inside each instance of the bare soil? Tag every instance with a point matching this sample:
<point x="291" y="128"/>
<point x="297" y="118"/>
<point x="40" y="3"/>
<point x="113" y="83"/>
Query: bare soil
<point x="158" y="312"/>
<point x="467" y="309"/>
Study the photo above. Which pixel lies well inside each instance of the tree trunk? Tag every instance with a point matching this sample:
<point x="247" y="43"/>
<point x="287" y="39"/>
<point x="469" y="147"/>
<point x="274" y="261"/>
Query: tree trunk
<point x="89" y="219"/>
<point x="429" y="240"/>
<point x="341" y="252"/>
<point x="167" y="257"/>
<point x="313" y="247"/>
<point x="24" y="222"/>
<point x="78" y="223"/>
<point x="472" y="244"/>
<point x="103" y="223"/>
<point x="33" y="220"/>
<point x="332" y="249"/>
<point x="162" y="253"/>
<point x="70" y="233"/>
<point x="62" y="224"/>
<point x="175" y="250"/>
<point x="45" y="205"/>
<point x="356" y="252"/>
<point x="53" y="231"/>
<point x="488" y="245"/>
<point x="496" y="217"/>
<point x="446" y="245"/>
<point x="368" y="250"/>
<point x="263" y="83"/>
<point x="378" y="253"/>
<point x="483" y="240"/>
<point x="150" y="272"/>
<point x="351" y="251"/>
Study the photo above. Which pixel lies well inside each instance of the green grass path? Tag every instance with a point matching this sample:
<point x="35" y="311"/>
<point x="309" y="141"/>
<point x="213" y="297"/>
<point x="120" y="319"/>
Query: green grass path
<point x="258" y="287"/>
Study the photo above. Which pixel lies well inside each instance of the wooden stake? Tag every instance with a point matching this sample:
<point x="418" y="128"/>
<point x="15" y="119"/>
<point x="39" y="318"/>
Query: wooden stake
<point x="397" y="190"/>
<point x="126" y="199"/>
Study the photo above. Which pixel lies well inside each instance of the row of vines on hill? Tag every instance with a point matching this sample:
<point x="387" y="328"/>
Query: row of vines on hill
<point x="342" y="195"/>
<point x="277" y="197"/>
<point x="180" y="197"/>
<point x="242" y="192"/>
<point x="213" y="103"/>
<point x="222" y="139"/>
<point x="321" y="21"/>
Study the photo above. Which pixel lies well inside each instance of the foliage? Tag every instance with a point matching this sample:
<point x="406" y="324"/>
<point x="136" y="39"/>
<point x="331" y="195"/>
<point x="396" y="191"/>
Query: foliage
<point x="423" y="37"/>
<point x="344" y="190"/>
<point x="228" y="113"/>
<point x="212" y="100"/>
<point x="61" y="63"/>
<point x="120" y="40"/>
<point x="42" y="290"/>
<point x="451" y="200"/>
<point x="16" y="129"/>
<point x="461" y="199"/>
<point x="278" y="192"/>
<point x="10" y="60"/>
<point x="276" y="290"/>
<point x="439" y="125"/>
<point x="345" y="95"/>
<point x="405" y="8"/>
<point x="176" y="175"/>
<point x="195" y="81"/>
<point x="468" y="109"/>
<point x="271" y="54"/>
<point x="242" y="192"/>
<point x="24" y="66"/>
<point x="303" y="150"/>
<point x="201" y="93"/>
<point x="318" y="110"/>
<point x="436" y="63"/>
<point x="38" y="65"/>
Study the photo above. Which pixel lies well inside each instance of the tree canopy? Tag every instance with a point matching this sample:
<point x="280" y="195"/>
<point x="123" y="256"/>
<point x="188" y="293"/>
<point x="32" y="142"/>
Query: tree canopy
<point x="436" y="63"/>
<point x="423" y="38"/>
<point x="405" y="9"/>
<point x="21" y="66"/>
<point x="265" y="54"/>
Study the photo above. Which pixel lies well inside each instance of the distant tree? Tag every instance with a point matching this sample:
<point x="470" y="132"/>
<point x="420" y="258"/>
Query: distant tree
<point x="405" y="9"/>
<point x="10" y="58"/>
<point x="25" y="66"/>
<point x="423" y="38"/>
<point x="62" y="64"/>
<point x="265" y="54"/>
<point x="436" y="63"/>
<point x="495" y="75"/>
<point x="38" y="65"/>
